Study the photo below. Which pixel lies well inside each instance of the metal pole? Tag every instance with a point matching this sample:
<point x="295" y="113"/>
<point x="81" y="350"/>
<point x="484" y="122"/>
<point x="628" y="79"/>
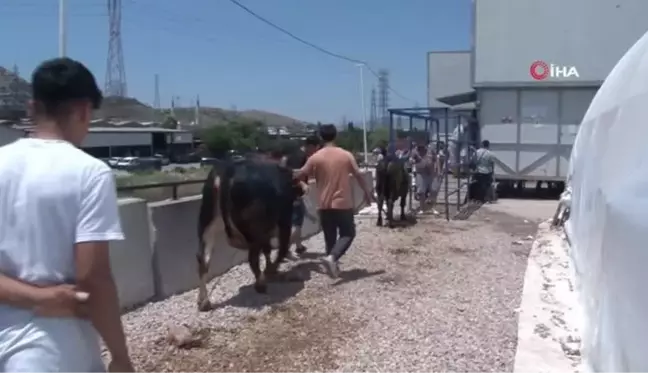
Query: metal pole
<point x="364" y="115"/>
<point x="390" y="148"/>
<point x="445" y="167"/>
<point x="457" y="157"/>
<point x="411" y="148"/>
<point x="62" y="30"/>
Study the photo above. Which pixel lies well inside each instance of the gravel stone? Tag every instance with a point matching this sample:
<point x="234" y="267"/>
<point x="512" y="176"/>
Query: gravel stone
<point x="435" y="296"/>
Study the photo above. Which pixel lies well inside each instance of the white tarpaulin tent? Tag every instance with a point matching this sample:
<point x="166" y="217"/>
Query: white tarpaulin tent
<point x="608" y="227"/>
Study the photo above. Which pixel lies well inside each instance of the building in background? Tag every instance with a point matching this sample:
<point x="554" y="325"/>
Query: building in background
<point x="534" y="68"/>
<point x="14" y="95"/>
<point x="117" y="139"/>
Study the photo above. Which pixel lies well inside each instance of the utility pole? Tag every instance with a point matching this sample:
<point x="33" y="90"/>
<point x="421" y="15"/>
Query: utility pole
<point x="197" y="112"/>
<point x="156" y="98"/>
<point x="62" y="30"/>
<point x="364" y="114"/>
<point x="373" y="114"/>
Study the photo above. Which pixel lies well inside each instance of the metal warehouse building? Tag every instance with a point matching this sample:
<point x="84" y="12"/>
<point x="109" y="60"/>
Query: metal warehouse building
<point x="117" y="141"/>
<point x="533" y="69"/>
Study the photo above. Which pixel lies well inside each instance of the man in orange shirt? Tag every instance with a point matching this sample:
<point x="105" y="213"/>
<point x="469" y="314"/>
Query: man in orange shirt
<point x="331" y="166"/>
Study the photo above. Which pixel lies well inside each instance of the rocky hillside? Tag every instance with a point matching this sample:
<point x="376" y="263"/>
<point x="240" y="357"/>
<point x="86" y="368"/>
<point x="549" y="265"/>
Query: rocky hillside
<point x="16" y="92"/>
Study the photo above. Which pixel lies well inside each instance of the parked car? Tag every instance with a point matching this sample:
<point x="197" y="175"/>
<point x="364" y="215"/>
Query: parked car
<point x="187" y="158"/>
<point x="139" y="164"/>
<point x="165" y="160"/>
<point x="207" y="161"/>
<point x="112" y="161"/>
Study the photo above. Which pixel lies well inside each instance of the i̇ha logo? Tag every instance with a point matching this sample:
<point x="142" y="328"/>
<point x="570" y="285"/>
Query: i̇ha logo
<point x="541" y="70"/>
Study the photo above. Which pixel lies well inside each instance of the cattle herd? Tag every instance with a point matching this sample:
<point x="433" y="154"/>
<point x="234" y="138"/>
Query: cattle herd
<point x="250" y="202"/>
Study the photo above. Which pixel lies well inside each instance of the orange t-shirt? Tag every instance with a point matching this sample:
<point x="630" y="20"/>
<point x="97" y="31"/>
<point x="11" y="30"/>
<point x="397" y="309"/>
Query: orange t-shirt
<point x="331" y="167"/>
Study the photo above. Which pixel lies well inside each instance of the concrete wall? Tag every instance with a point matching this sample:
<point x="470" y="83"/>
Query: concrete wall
<point x="591" y="35"/>
<point x="132" y="259"/>
<point x="449" y="74"/>
<point x="158" y="257"/>
<point x="9" y="135"/>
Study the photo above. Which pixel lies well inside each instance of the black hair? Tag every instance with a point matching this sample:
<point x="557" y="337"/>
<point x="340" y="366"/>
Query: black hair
<point x="60" y="81"/>
<point x="312" y="140"/>
<point x="328" y="132"/>
<point x="486" y="144"/>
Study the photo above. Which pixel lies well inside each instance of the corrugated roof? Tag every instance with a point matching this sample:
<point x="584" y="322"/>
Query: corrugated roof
<point x="30" y="128"/>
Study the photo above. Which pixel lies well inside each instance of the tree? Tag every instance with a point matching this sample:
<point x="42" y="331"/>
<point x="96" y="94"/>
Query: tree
<point x="170" y="122"/>
<point x="351" y="139"/>
<point x="378" y="138"/>
<point x="218" y="140"/>
<point x="238" y="134"/>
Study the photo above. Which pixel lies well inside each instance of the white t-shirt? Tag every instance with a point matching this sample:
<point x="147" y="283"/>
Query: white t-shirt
<point x="52" y="196"/>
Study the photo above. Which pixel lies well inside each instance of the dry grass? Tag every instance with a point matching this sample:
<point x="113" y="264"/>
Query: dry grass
<point x="437" y="296"/>
<point x="162" y="193"/>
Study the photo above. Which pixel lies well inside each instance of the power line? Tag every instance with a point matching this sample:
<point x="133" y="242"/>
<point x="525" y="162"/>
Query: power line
<point x="314" y="46"/>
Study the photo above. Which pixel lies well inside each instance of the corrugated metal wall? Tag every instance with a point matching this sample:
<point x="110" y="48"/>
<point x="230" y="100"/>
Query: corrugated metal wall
<point x="532" y="130"/>
<point x="95" y="139"/>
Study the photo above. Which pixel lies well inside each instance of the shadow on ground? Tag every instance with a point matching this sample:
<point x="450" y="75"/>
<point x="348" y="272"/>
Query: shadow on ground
<point x="409" y="221"/>
<point x="281" y="287"/>
<point x="356" y="274"/>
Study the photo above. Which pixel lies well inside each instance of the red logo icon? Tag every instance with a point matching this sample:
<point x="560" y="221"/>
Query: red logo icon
<point x="539" y="70"/>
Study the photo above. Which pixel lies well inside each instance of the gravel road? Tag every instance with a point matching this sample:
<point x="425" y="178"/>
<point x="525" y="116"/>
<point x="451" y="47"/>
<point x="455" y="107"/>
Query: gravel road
<point x="436" y="296"/>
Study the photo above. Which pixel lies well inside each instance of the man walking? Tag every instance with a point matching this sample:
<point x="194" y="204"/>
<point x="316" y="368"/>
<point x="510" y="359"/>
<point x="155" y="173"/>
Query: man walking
<point x="331" y="166"/>
<point x="484" y="163"/>
<point x="58" y="212"/>
<point x="296" y="161"/>
<point x="425" y="167"/>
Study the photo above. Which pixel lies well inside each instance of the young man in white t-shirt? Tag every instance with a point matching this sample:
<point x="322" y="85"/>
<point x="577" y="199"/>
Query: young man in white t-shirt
<point x="58" y="212"/>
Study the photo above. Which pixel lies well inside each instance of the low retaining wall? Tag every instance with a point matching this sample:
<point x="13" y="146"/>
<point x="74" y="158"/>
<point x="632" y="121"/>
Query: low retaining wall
<point x="158" y="257"/>
<point x="549" y="320"/>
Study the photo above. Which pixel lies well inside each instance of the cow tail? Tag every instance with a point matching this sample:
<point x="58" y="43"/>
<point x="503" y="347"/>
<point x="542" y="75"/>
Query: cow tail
<point x="208" y="212"/>
<point x="225" y="198"/>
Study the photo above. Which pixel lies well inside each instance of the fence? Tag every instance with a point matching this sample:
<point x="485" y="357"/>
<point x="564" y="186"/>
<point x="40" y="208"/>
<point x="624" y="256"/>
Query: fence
<point x="173" y="186"/>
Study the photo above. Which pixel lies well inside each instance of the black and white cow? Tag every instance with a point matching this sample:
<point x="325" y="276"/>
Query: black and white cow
<point x="250" y="201"/>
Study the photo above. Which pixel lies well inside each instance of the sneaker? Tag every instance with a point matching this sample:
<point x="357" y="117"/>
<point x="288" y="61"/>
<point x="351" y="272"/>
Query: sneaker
<point x="331" y="266"/>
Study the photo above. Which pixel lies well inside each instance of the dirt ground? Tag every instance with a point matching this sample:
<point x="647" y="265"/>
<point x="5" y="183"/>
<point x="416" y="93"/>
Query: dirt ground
<point x="433" y="296"/>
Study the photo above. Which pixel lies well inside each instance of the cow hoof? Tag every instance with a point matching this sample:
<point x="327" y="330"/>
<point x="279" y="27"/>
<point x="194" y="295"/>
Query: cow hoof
<point x="205" y="306"/>
<point x="260" y="287"/>
<point x="379" y="223"/>
<point x="271" y="270"/>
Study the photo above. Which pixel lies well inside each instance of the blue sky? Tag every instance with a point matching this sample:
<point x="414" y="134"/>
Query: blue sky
<point x="213" y="49"/>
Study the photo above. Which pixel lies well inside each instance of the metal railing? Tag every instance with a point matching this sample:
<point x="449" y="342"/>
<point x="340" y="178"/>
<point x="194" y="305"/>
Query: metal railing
<point x="173" y="185"/>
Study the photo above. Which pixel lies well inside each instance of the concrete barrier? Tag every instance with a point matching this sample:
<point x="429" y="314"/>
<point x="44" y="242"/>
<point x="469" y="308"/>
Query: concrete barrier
<point x="176" y="246"/>
<point x="158" y="257"/>
<point x="132" y="259"/>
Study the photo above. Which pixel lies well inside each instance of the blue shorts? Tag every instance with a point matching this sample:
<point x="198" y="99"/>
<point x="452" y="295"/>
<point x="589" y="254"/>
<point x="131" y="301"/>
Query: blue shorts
<point x="299" y="212"/>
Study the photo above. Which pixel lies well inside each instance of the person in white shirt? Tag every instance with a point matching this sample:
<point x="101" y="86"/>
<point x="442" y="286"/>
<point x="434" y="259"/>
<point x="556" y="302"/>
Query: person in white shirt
<point x="58" y="212"/>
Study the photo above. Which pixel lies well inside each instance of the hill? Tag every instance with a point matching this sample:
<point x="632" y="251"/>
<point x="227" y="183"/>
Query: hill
<point x="132" y="109"/>
<point x="15" y="91"/>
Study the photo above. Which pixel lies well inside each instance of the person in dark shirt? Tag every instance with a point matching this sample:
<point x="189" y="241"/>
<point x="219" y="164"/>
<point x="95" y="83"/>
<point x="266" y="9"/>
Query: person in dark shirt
<point x="295" y="161"/>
